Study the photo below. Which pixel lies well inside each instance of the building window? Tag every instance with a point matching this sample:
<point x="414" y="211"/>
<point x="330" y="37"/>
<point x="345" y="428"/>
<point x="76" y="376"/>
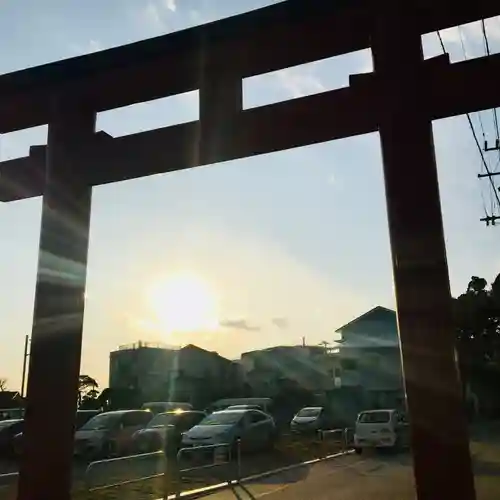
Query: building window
<point x="349" y="364"/>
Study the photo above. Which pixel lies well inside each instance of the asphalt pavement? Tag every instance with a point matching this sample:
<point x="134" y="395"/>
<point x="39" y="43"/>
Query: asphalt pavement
<point x="374" y="477"/>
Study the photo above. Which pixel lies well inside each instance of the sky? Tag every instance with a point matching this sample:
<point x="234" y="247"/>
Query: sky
<point x="240" y="255"/>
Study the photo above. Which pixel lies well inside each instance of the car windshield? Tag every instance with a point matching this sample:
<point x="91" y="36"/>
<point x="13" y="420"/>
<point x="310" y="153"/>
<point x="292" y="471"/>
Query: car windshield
<point x="309" y="412"/>
<point x="164" y="419"/>
<point x="7" y="423"/>
<point x="222" y="418"/>
<point x="375" y="417"/>
<point x="101" y="422"/>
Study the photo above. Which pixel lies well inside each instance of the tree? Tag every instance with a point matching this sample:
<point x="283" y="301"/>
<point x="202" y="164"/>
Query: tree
<point x="477" y="319"/>
<point x="90" y="400"/>
<point x="86" y="384"/>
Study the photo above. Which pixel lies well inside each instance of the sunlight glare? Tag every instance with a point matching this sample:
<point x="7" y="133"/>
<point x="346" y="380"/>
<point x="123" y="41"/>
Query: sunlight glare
<point x="184" y="303"/>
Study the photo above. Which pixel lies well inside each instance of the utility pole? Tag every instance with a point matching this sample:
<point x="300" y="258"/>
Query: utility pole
<point x="25" y="364"/>
<point x="491" y="220"/>
<point x="496" y="147"/>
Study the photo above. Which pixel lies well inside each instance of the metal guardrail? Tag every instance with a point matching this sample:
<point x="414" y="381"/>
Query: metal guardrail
<point x="6" y="479"/>
<point x="97" y="463"/>
<point x="222" y="455"/>
<point x="344" y="436"/>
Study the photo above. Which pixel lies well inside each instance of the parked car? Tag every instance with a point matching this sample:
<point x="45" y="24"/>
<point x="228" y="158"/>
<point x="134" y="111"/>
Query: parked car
<point x="255" y="429"/>
<point x="244" y="407"/>
<point x="166" y="428"/>
<point x="264" y="404"/>
<point x="164" y="406"/>
<point x="110" y="434"/>
<point x="311" y="419"/>
<point x="381" y="429"/>
<point x="8" y="431"/>
<point x="82" y="417"/>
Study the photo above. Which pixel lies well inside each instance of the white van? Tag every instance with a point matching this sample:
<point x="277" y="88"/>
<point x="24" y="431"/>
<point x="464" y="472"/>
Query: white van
<point x="381" y="429"/>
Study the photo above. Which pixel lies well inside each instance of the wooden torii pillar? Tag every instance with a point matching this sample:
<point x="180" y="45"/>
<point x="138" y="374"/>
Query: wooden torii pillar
<point x="440" y="445"/>
<point x="56" y="341"/>
<point x="399" y="100"/>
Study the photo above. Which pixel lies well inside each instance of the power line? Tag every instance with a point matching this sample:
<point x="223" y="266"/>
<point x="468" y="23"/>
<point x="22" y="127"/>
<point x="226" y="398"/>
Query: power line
<point x="471" y="125"/>
<point x="483" y="159"/>
<point x="488" y="53"/>
<point x="462" y="43"/>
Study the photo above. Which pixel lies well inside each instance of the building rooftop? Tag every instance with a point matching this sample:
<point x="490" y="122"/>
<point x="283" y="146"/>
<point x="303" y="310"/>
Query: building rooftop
<point x="378" y="311"/>
<point x="142" y="344"/>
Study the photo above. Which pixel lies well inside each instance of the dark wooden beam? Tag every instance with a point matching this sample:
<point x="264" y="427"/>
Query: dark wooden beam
<point x="442" y="464"/>
<point x="299" y="122"/>
<point x="286" y="34"/>
<point x="56" y="341"/>
<point x="451" y="89"/>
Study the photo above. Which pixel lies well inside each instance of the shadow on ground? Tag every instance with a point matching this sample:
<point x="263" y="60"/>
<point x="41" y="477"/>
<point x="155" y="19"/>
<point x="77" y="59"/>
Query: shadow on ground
<point x="485" y="468"/>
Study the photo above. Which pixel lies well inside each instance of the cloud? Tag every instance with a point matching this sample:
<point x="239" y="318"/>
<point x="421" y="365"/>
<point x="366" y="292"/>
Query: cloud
<point x="472" y="33"/>
<point x="281" y="323"/>
<point x="151" y="14"/>
<point x="154" y="13"/>
<point x="197" y="17"/>
<point x="299" y="82"/>
<point x="239" y="324"/>
<point x="86" y="48"/>
<point x="170" y="5"/>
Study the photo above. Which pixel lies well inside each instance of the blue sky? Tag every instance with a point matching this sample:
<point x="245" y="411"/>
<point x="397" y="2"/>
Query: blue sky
<point x="298" y="236"/>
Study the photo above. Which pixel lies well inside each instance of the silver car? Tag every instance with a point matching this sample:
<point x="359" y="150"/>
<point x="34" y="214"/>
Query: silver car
<point x="253" y="428"/>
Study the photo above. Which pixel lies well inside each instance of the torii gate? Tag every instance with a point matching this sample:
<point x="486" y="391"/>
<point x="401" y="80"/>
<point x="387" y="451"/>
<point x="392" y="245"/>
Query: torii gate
<point x="399" y="100"/>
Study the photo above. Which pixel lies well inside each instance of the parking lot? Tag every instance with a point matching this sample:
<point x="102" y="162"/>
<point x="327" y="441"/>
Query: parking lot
<point x="372" y="475"/>
<point x="123" y="477"/>
<point x="350" y="477"/>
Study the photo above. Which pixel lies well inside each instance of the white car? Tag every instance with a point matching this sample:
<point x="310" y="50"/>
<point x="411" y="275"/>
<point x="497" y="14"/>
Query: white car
<point x="381" y="429"/>
<point x="253" y="428"/>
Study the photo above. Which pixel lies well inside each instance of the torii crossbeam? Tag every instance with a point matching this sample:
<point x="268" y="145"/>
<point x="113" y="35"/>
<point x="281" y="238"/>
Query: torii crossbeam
<point x="399" y="100"/>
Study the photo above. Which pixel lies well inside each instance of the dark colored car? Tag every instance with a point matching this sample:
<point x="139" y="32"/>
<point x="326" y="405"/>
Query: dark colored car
<point x="166" y="429"/>
<point x="110" y="434"/>
<point x="311" y="419"/>
<point x="82" y="417"/>
<point x="8" y="430"/>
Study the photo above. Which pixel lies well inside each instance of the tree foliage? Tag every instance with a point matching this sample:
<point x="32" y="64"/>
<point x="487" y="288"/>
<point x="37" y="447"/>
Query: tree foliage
<point x="477" y="319"/>
<point x="477" y="316"/>
<point x="87" y="389"/>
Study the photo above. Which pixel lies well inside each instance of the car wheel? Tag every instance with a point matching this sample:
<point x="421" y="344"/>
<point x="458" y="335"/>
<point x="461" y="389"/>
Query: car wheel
<point x="397" y="445"/>
<point x="143" y="447"/>
<point x="271" y="441"/>
<point x="108" y="449"/>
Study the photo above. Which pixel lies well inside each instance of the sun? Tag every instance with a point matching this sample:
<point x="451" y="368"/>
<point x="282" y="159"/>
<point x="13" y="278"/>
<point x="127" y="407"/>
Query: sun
<point x="184" y="302"/>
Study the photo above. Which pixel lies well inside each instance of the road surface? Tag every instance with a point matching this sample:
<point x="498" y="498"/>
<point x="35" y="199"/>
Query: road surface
<point x="373" y="477"/>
